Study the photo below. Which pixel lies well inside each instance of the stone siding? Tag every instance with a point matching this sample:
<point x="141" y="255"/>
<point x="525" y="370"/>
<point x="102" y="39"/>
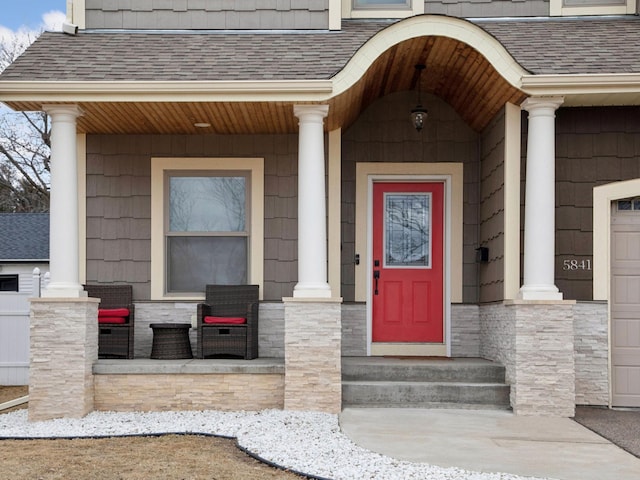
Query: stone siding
<point x="591" y="326"/>
<point x="158" y="392"/>
<point x="207" y="14"/>
<point x="270" y="326"/>
<point x="312" y="355"/>
<point x="147" y="313"/>
<point x="497" y="337"/>
<point x="535" y="342"/>
<point x="354" y="330"/>
<point x="64" y="347"/>
<point x="465" y="330"/>
<point x="271" y="330"/>
<point x="545" y="367"/>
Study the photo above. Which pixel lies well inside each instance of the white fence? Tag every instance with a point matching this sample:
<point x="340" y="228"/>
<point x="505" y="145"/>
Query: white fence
<point x="14" y="329"/>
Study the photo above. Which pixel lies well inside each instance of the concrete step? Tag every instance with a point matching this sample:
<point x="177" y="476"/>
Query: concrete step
<point x="425" y="394"/>
<point x="455" y="370"/>
<point x="423" y="383"/>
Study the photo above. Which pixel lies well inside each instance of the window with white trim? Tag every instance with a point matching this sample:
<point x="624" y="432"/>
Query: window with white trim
<point x="207" y="229"/>
<point x="382" y="4"/>
<point x="592" y="7"/>
<point x="207" y="224"/>
<point x="381" y="8"/>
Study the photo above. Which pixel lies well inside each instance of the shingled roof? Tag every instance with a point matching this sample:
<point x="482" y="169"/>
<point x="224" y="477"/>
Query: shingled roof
<point x="541" y="46"/>
<point x="24" y="236"/>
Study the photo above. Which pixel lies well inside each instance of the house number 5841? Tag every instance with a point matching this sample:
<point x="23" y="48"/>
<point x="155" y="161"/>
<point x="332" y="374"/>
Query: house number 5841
<point x="576" y="264"/>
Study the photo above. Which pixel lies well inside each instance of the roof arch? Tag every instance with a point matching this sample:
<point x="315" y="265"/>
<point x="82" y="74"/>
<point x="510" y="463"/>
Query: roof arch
<point x="453" y="28"/>
<point x="466" y="66"/>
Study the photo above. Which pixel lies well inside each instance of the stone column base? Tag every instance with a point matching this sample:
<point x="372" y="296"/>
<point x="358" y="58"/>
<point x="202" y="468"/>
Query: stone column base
<point x="64" y="347"/>
<point x="312" y="342"/>
<point x="543" y="367"/>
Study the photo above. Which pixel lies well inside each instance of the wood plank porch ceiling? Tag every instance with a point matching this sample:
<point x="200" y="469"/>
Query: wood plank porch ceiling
<point x="455" y="72"/>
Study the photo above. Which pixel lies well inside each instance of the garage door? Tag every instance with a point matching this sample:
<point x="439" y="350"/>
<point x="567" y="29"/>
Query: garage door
<point x="625" y="303"/>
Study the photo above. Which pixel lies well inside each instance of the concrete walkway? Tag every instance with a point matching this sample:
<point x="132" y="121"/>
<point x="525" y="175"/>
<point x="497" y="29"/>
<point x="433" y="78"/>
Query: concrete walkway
<point x="490" y="441"/>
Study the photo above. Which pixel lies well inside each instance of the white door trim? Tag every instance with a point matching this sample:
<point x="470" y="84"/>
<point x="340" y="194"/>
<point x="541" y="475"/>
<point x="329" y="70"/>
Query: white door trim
<point x="451" y="175"/>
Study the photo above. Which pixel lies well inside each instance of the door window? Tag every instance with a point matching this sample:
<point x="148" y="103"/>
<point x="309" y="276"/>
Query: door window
<point x="407" y="230"/>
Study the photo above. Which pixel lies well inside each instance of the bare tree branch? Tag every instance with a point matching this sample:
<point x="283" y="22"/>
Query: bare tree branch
<point x="24" y="147"/>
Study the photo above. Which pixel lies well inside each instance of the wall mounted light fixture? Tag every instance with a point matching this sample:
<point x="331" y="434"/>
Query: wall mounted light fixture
<point x="419" y="113"/>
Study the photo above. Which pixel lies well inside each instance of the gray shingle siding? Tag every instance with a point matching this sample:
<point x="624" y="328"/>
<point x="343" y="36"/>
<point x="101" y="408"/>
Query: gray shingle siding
<point x="119" y="203"/>
<point x="491" y="209"/>
<point x="209" y="14"/>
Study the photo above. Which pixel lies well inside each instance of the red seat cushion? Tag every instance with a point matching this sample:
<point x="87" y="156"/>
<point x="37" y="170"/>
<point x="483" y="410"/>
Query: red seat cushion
<point x="226" y="320"/>
<point x="113" y="312"/>
<point x="112" y="320"/>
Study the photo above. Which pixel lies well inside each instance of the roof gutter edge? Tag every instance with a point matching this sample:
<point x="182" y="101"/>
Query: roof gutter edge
<point x="248" y="90"/>
<point x="567" y="84"/>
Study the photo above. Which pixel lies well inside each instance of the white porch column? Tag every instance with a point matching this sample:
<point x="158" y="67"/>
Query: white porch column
<point x="539" y="216"/>
<point x="63" y="242"/>
<point x="312" y="219"/>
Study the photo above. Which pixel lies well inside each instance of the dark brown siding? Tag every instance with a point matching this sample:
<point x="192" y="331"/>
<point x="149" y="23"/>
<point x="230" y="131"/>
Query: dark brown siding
<point x="492" y="210"/>
<point x="594" y="146"/>
<point x="383" y="133"/>
<point x="119" y="203"/>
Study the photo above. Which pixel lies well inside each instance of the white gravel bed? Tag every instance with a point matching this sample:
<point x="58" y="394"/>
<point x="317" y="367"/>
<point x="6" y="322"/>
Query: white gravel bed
<point x="306" y="442"/>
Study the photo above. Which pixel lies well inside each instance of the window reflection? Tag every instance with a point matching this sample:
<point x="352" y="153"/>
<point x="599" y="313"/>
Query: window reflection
<point x="407" y="229"/>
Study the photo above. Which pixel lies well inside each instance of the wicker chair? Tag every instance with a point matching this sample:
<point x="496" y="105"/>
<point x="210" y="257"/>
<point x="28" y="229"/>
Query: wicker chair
<point x="115" y="340"/>
<point x="231" y="329"/>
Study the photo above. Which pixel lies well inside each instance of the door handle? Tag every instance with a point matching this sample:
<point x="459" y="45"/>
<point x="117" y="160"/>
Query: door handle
<point x="376" y="277"/>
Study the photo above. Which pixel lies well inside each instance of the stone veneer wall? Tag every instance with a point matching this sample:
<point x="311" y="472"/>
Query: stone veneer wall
<point x="354" y="330"/>
<point x="465" y="327"/>
<point x="465" y="330"/>
<point x="64" y="347"/>
<point x="591" y="326"/>
<point x="158" y="392"/>
<point x="497" y="337"/>
<point x="535" y="342"/>
<point x="312" y="339"/>
<point x="270" y="327"/>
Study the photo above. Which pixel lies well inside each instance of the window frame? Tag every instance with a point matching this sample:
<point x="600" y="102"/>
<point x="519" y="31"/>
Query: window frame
<point x="410" y="9"/>
<point x="161" y="169"/>
<point x="557" y="8"/>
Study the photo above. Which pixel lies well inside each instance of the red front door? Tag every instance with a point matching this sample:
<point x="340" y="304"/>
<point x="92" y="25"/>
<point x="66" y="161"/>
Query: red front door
<point x="407" y="283"/>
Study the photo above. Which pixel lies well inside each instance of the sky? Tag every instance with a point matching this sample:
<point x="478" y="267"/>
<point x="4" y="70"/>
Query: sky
<point x="29" y="17"/>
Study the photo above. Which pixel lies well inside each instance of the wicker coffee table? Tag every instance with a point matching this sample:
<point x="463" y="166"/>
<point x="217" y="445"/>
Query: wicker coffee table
<point x="171" y="341"/>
